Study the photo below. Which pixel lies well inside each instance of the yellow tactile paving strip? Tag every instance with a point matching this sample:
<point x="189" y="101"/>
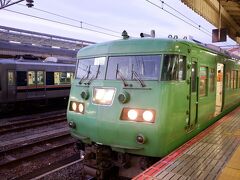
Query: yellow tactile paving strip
<point x="232" y="168"/>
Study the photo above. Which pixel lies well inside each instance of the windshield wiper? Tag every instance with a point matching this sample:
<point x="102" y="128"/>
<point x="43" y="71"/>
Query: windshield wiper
<point x="93" y="77"/>
<point x="122" y="77"/>
<point x="86" y="75"/>
<point x="138" y="78"/>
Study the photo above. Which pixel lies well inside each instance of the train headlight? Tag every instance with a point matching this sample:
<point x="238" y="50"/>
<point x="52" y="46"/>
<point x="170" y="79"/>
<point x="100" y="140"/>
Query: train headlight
<point x="74" y="106"/>
<point x="148" y="116"/>
<point x="132" y="114"/>
<point x="139" y="115"/>
<point x="77" y="107"/>
<point x="81" y="108"/>
<point x="103" y="96"/>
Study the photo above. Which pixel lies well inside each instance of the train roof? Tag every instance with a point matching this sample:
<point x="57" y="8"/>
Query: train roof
<point x="33" y="62"/>
<point x="146" y="45"/>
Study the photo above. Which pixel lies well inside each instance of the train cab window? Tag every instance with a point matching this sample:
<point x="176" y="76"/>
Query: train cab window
<point x="40" y="77"/>
<point x="11" y="80"/>
<point x="62" y="78"/>
<point x="174" y="67"/>
<point x="211" y="79"/>
<point x="128" y="67"/>
<point x="21" y="78"/>
<point x="203" y="81"/>
<point x="31" y="78"/>
<point x="91" y="68"/>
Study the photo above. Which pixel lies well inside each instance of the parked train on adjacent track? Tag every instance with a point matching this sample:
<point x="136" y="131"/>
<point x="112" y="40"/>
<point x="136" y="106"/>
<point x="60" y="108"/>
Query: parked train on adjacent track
<point x="33" y="80"/>
<point x="134" y="99"/>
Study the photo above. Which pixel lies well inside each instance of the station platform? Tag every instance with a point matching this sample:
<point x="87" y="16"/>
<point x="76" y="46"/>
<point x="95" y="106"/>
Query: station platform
<point x="212" y="154"/>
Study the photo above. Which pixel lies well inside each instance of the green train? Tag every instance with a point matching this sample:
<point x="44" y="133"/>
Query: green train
<point x="133" y="100"/>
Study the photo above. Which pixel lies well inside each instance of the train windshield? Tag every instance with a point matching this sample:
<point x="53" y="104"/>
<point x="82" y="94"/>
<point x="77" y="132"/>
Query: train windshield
<point x="91" y="68"/>
<point x="132" y="67"/>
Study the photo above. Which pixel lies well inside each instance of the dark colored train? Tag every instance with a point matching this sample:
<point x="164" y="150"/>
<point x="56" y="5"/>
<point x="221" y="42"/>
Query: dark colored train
<point x="136" y="99"/>
<point x="31" y="80"/>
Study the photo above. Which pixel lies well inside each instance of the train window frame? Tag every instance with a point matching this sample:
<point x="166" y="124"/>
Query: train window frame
<point x="11" y="78"/>
<point x="132" y="61"/>
<point x="205" y="82"/>
<point x="177" y="72"/>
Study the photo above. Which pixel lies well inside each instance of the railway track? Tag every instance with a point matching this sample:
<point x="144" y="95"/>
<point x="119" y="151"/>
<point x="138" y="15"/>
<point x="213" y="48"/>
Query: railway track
<point x="34" y="145"/>
<point x="26" y="152"/>
<point x="31" y="123"/>
<point x="71" y="166"/>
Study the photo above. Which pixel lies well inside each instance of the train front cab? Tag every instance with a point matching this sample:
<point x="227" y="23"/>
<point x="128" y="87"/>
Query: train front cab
<point x="184" y="97"/>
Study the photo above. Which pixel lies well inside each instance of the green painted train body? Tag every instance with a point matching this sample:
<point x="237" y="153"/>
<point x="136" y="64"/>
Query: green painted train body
<point x="181" y="94"/>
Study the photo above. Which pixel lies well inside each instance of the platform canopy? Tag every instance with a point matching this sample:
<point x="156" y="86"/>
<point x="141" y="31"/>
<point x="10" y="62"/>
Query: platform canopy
<point x="223" y="15"/>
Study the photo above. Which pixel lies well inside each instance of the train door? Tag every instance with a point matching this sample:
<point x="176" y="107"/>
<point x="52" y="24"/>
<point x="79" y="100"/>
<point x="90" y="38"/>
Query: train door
<point x="219" y="89"/>
<point x="11" y="86"/>
<point x="193" y="95"/>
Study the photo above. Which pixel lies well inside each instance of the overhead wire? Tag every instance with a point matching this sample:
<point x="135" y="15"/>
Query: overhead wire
<point x="163" y="2"/>
<point x="62" y="23"/>
<point x="81" y="22"/>
<point x="197" y="27"/>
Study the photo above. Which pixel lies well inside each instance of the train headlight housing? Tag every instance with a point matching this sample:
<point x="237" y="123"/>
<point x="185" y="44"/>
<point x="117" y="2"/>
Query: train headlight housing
<point x="77" y="107"/>
<point x="103" y="96"/>
<point x="138" y="115"/>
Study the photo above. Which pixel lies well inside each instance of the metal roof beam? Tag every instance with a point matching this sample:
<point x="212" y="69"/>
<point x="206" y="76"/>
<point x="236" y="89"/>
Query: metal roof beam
<point x="209" y="9"/>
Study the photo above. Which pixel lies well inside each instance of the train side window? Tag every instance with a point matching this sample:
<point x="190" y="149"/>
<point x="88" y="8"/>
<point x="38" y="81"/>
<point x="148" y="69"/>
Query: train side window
<point x="182" y="68"/>
<point x="194" y="76"/>
<point x="31" y="78"/>
<point x="234" y="79"/>
<point x="227" y="79"/>
<point x="21" y="78"/>
<point x="11" y="79"/>
<point x="49" y="78"/>
<point x="40" y="77"/>
<point x="203" y="81"/>
<point x="62" y="78"/>
<point x="211" y="79"/>
<point x="238" y="79"/>
<point x="174" y="67"/>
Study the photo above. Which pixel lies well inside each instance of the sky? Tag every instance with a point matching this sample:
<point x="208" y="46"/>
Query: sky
<point x="134" y="16"/>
